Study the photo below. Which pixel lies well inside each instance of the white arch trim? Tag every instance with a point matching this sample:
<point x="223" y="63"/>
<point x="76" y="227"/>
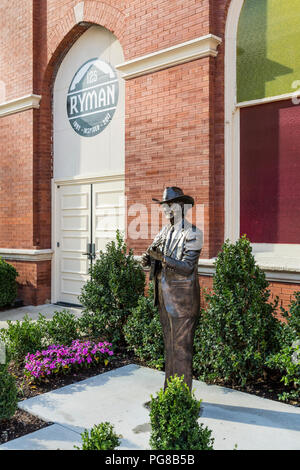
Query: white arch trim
<point x="232" y="126"/>
<point x="280" y="258"/>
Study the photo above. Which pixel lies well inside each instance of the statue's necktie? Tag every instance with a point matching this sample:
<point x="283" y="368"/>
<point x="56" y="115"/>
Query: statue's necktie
<point x="169" y="240"/>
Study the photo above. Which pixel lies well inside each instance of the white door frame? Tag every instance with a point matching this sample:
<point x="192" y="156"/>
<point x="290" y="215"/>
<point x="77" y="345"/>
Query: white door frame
<point x="54" y="213"/>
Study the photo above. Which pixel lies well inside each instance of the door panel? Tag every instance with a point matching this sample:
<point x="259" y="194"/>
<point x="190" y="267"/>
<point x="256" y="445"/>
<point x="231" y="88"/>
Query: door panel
<point x="87" y="214"/>
<point x="108" y="212"/>
<point x="74" y="235"/>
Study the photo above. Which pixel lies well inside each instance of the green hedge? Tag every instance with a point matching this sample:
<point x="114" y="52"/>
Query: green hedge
<point x="174" y="415"/>
<point x="101" y="437"/>
<point x="238" y="329"/>
<point x="143" y="332"/>
<point x="8" y="284"/>
<point x="117" y="281"/>
<point x="287" y="360"/>
<point x="8" y="394"/>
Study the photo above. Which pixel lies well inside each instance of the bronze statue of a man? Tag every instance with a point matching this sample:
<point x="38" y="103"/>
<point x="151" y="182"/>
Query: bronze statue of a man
<point x="173" y="257"/>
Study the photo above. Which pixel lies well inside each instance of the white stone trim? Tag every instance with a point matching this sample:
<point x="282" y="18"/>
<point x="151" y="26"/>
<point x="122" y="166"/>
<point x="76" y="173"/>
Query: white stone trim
<point x="89" y="179"/>
<point x="25" y="255"/>
<point x="204" y="46"/>
<point x="206" y="267"/>
<point x="79" y="12"/>
<point x="280" y="276"/>
<point x="269" y="99"/>
<point x="277" y="256"/>
<point x="274" y="271"/>
<point x="20" y="104"/>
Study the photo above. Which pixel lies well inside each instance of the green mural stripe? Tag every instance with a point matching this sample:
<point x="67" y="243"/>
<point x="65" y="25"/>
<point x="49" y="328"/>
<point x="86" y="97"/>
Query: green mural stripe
<point x="268" y="49"/>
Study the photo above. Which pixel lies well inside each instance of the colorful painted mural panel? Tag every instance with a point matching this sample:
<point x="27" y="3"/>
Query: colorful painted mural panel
<point x="268" y="52"/>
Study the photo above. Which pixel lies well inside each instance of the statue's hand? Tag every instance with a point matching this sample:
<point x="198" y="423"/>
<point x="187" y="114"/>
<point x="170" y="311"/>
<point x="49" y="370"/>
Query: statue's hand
<point x="145" y="260"/>
<point x="156" y="254"/>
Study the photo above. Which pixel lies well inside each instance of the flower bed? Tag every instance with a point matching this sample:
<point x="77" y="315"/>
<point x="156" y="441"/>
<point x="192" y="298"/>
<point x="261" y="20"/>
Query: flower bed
<point x="58" y="358"/>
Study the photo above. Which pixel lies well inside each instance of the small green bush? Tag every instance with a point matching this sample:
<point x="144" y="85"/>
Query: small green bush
<point x="8" y="394"/>
<point x="287" y="360"/>
<point x="8" y="284"/>
<point x="293" y="317"/>
<point x="291" y="329"/>
<point x="117" y="281"/>
<point x="174" y="415"/>
<point x="101" y="437"/>
<point x="23" y="337"/>
<point x="63" y="328"/>
<point x="238" y="329"/>
<point x="143" y="332"/>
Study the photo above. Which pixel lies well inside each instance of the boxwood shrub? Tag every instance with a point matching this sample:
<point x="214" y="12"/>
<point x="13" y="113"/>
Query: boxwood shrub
<point x="101" y="437"/>
<point x="117" y="282"/>
<point x="8" y="394"/>
<point x="8" y="284"/>
<point x="286" y="362"/>
<point x="238" y="329"/>
<point x="143" y="332"/>
<point x="174" y="415"/>
<point x="23" y="336"/>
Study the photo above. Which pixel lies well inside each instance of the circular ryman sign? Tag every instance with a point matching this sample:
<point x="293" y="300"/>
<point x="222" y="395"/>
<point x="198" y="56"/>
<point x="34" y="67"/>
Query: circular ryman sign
<point x="92" y="97"/>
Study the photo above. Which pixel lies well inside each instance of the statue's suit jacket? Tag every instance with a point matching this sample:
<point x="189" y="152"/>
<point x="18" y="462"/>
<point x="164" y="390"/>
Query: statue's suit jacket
<point x="179" y="273"/>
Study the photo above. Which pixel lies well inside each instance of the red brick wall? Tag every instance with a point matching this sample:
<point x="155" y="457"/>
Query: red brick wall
<point x="16" y="180"/>
<point x="158" y="24"/>
<point x="16" y="40"/>
<point x="34" y="281"/>
<point x="167" y="138"/>
<point x="284" y="290"/>
<point x="16" y="131"/>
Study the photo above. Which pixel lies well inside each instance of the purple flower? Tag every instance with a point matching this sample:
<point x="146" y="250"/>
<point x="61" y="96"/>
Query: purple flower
<point x="57" y="356"/>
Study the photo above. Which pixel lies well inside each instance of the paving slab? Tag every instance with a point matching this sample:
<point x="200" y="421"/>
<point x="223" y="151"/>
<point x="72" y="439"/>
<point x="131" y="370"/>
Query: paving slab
<point x="32" y="311"/>
<point x="117" y="396"/>
<point x="54" y="437"/>
<point x="237" y="419"/>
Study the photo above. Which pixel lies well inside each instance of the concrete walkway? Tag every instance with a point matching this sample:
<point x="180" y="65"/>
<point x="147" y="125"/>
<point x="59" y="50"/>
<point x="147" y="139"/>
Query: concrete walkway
<point x="33" y="312"/>
<point x="118" y="396"/>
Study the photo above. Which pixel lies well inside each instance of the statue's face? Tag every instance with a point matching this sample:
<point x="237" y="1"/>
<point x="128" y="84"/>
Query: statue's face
<point x="172" y="210"/>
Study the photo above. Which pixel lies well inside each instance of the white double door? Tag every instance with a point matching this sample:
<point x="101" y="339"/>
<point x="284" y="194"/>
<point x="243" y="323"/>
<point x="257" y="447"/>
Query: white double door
<point x="87" y="218"/>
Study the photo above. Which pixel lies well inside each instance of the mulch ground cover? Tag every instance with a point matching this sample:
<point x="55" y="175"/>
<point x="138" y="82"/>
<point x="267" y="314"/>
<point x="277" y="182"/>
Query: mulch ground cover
<point x="269" y="388"/>
<point x="23" y="423"/>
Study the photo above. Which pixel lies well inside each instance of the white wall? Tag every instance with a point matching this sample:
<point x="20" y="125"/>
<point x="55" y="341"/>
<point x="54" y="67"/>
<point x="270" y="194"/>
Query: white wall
<point x="104" y="154"/>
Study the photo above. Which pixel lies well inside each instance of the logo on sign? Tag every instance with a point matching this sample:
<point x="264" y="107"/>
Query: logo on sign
<point x="92" y="97"/>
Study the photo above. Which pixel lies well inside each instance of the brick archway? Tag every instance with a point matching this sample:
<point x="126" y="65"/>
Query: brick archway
<point x="59" y="41"/>
<point x="68" y="29"/>
<point x="94" y="12"/>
